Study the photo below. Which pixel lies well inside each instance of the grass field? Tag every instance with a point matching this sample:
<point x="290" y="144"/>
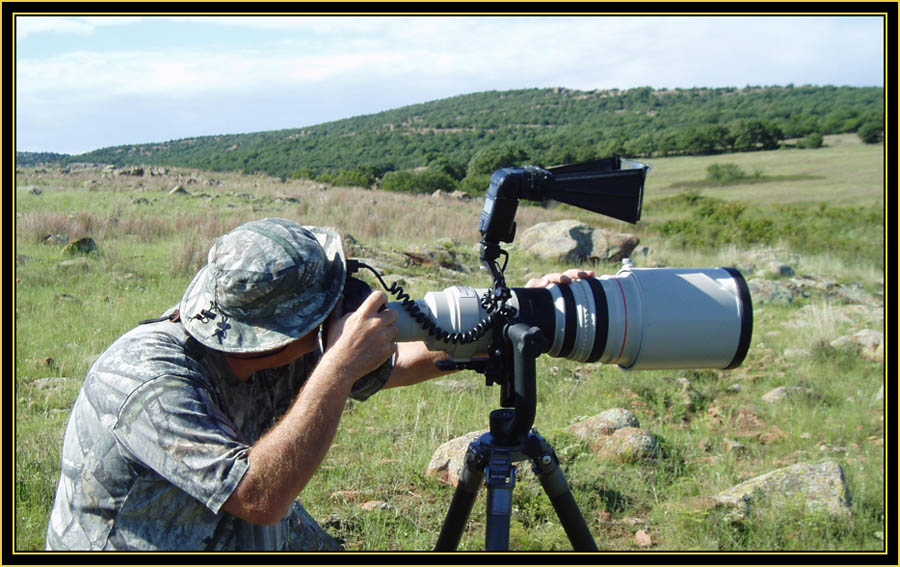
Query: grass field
<point x="150" y="243"/>
<point x="844" y="172"/>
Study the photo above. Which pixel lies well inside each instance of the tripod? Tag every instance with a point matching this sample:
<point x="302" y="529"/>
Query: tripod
<point x="511" y="439"/>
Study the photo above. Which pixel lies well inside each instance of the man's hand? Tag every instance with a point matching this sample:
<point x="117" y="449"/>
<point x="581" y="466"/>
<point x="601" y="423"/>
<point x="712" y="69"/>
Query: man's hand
<point x="359" y="342"/>
<point x="560" y="278"/>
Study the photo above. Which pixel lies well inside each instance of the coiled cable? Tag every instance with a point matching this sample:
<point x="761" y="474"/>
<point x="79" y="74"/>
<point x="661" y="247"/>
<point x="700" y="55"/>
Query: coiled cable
<point x="497" y="311"/>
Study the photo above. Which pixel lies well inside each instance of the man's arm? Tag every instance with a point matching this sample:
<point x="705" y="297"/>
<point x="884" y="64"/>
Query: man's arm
<point x="414" y="364"/>
<point x="284" y="459"/>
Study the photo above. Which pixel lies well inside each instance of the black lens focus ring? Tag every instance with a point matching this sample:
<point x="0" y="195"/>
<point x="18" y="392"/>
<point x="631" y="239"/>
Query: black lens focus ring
<point x="571" y="321"/>
<point x="601" y="332"/>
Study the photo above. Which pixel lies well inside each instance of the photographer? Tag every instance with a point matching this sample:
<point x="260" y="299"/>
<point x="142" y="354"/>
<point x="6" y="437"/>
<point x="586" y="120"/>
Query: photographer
<point x="198" y="430"/>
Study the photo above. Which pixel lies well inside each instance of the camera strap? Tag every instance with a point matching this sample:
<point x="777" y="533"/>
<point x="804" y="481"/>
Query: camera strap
<point x="173" y="317"/>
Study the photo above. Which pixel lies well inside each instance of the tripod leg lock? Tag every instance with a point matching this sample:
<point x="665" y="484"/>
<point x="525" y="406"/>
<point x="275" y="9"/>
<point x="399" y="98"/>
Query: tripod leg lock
<point x="500" y="471"/>
<point x="541" y="454"/>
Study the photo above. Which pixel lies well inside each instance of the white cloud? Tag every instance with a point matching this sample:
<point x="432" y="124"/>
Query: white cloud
<point x="375" y="63"/>
<point x="29" y="25"/>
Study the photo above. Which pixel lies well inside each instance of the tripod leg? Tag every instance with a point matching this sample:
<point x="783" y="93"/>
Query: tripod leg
<point x="570" y="517"/>
<point x="463" y="498"/>
<point x="501" y="479"/>
<point x="557" y="489"/>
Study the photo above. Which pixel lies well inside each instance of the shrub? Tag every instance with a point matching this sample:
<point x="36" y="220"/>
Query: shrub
<point x="354" y="178"/>
<point x="425" y="181"/>
<point x="812" y="141"/>
<point x="725" y="173"/>
<point x="491" y="158"/>
<point x="870" y="132"/>
<point x="475" y="185"/>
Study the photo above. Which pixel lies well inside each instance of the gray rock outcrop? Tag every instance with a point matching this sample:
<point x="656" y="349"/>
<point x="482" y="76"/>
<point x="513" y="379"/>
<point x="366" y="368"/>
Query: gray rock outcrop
<point x="570" y="241"/>
<point x="616" y="434"/>
<point x="818" y="487"/>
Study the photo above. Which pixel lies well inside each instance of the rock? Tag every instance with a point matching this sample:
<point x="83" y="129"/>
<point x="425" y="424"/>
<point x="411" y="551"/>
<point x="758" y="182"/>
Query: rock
<point x="775" y="395"/>
<point x="876" y="354"/>
<point x="641" y="252"/>
<point x="80" y="246"/>
<point x="57" y="239"/>
<point x="605" y="423"/>
<point x="793" y="353"/>
<point x="853" y="294"/>
<point x="820" y="487"/>
<point x="76" y="264"/>
<point x="735" y="447"/>
<point x="844" y="342"/>
<point x="869" y="344"/>
<point x="346" y="495"/>
<point x="45" y="383"/>
<point x="447" y="461"/>
<point x="375" y="505"/>
<point x="458" y="195"/>
<point x="461" y="196"/>
<point x="869" y="339"/>
<point x="442" y="257"/>
<point x="642" y="539"/>
<point x="133" y="171"/>
<point x="690" y="396"/>
<point x="747" y="424"/>
<point x="570" y="241"/>
<point x="628" y="445"/>
<point x="812" y="286"/>
<point x="620" y="418"/>
<point x="777" y="270"/>
<point x="763" y="291"/>
<point x="784" y="392"/>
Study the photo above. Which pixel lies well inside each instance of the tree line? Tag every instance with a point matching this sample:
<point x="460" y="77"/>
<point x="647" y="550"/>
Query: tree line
<point x="456" y="142"/>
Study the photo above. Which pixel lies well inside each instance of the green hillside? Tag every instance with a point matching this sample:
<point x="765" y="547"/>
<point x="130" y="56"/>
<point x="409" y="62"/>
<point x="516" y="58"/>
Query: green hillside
<point x="462" y="137"/>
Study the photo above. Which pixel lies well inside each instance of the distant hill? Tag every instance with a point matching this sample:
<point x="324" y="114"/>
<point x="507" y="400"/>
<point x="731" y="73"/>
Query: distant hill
<point x="31" y="159"/>
<point x="470" y="135"/>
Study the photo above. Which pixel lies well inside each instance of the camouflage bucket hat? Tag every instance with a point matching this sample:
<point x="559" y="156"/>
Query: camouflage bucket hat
<point x="266" y="284"/>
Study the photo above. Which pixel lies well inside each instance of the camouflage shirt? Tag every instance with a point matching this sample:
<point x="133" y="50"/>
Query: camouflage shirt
<point x="159" y="438"/>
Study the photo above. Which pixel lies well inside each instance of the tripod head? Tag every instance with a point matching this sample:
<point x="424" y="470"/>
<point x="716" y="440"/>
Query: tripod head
<point x="610" y="186"/>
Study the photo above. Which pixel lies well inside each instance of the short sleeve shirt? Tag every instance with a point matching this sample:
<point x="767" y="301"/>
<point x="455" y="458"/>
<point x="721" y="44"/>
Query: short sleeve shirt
<point x="157" y="441"/>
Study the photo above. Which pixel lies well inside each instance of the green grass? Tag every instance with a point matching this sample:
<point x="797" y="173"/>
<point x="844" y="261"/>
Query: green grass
<point x="147" y="253"/>
<point x="844" y="172"/>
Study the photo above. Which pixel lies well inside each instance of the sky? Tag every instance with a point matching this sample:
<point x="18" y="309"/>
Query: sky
<point x="83" y="83"/>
